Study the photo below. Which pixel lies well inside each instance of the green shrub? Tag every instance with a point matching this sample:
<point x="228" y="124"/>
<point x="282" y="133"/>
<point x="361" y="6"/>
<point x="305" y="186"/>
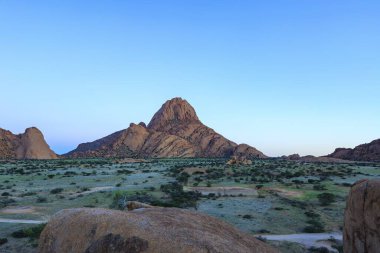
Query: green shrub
<point x="56" y="191"/>
<point x="319" y="187"/>
<point x="32" y="232"/>
<point x="41" y="199"/>
<point x="180" y="198"/>
<point x="3" y="241"/>
<point x="315" y="226"/>
<point x="326" y="198"/>
<point x="247" y="216"/>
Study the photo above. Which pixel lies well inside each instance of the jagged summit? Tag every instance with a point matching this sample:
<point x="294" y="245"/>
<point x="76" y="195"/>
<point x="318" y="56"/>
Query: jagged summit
<point x="29" y="145"/>
<point x="174" y="111"/>
<point x="174" y="131"/>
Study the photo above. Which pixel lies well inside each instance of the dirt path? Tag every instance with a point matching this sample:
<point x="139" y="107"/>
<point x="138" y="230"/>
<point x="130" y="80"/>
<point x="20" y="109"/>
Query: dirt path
<point x="308" y="240"/>
<point x="22" y="221"/>
<point x="235" y="191"/>
<point x="92" y="190"/>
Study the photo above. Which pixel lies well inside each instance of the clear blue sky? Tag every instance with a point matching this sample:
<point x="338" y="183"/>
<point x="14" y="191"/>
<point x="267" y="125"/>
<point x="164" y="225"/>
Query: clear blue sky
<point x="285" y="76"/>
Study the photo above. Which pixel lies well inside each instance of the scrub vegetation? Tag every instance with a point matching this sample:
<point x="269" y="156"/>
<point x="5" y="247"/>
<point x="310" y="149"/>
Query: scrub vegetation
<point x="270" y="196"/>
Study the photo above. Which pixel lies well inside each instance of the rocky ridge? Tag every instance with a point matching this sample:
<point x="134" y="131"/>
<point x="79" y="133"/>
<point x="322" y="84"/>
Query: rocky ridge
<point x="369" y="152"/>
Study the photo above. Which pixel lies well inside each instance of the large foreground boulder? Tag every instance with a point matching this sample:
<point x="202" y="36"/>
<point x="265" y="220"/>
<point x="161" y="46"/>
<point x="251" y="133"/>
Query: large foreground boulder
<point x="166" y="230"/>
<point x="362" y="218"/>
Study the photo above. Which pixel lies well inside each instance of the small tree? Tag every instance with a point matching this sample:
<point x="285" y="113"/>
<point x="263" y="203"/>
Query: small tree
<point x="326" y="198"/>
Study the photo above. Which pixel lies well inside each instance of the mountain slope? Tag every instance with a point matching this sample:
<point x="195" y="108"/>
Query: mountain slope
<point x="174" y="131"/>
<point x="365" y="152"/>
<point x="29" y="145"/>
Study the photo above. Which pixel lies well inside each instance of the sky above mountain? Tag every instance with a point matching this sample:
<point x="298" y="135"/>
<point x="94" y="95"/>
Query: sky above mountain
<point x="284" y="76"/>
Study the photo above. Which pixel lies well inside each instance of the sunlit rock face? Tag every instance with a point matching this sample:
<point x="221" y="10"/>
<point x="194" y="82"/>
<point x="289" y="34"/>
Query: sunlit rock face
<point x="29" y="145"/>
<point x="148" y="230"/>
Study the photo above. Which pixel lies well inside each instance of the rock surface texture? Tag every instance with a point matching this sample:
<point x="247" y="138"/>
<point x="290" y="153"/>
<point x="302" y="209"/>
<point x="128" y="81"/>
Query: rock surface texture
<point x="159" y="230"/>
<point x="174" y="131"/>
<point x="29" y="145"/>
<point x="366" y="152"/>
<point x="362" y="218"/>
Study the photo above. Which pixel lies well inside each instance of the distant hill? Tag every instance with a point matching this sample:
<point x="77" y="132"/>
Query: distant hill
<point x="314" y="159"/>
<point x="29" y="145"/>
<point x="174" y="131"/>
<point x="369" y="152"/>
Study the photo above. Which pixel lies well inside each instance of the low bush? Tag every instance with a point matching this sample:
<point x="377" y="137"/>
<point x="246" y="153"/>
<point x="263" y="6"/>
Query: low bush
<point x="326" y="198"/>
<point x="3" y="241"/>
<point x="56" y="191"/>
<point x="315" y="226"/>
<point x="32" y="232"/>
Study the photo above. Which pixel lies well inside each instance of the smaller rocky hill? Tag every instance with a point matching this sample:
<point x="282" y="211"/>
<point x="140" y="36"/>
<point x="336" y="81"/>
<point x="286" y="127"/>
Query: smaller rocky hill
<point x="369" y="152"/>
<point x="314" y="159"/>
<point x="29" y="145"/>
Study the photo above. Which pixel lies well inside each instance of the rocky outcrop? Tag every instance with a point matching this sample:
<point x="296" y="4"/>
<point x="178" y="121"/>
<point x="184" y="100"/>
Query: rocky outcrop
<point x="239" y="160"/>
<point x="361" y="232"/>
<point x="369" y="152"/>
<point x="248" y="152"/>
<point x="148" y="230"/>
<point x="8" y="144"/>
<point x="174" y="131"/>
<point x="294" y="157"/>
<point x="29" y="145"/>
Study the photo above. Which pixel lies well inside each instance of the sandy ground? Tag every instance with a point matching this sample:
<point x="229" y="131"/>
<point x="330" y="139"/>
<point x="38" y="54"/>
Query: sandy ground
<point x="285" y="193"/>
<point x="22" y="221"/>
<point x="193" y="170"/>
<point x="235" y="191"/>
<point x="92" y="190"/>
<point x="19" y="210"/>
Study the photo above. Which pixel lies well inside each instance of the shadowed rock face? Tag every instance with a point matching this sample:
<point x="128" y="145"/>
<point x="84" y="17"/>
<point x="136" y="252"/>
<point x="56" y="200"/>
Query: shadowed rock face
<point x="174" y="131"/>
<point x="111" y="243"/>
<point x="165" y="230"/>
<point x="362" y="218"/>
<point x="29" y="145"/>
<point x="365" y="152"/>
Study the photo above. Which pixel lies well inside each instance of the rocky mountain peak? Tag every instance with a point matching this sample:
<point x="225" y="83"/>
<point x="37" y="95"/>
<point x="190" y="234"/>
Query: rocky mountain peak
<point x="174" y="131"/>
<point x="33" y="132"/>
<point x="33" y="146"/>
<point x="29" y="145"/>
<point x="174" y="111"/>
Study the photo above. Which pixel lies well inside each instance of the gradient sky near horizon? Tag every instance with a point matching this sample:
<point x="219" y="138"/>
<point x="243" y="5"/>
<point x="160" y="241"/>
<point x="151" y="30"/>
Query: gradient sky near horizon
<point x="285" y="76"/>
